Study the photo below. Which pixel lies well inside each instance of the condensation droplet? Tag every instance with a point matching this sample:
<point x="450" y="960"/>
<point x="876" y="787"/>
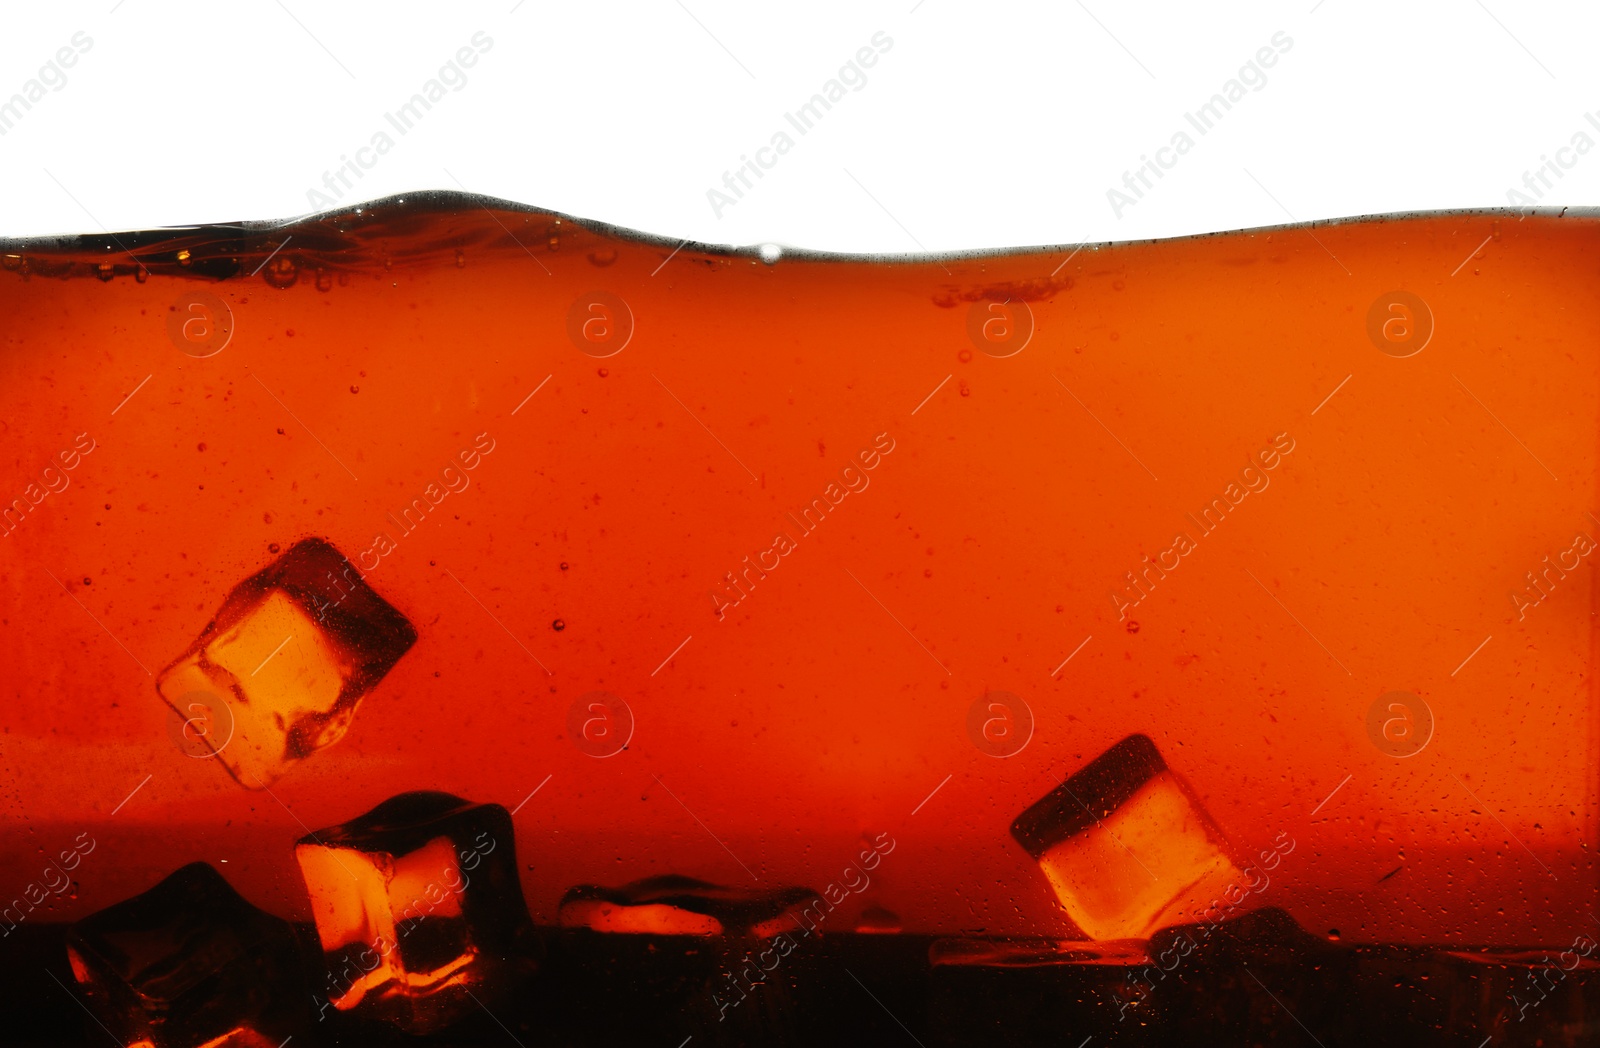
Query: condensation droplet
<point x="105" y="271"/>
<point x="141" y="275"/>
<point x="461" y="259"/>
<point x="183" y="257"/>
<point x="324" y="280"/>
<point x="603" y="256"/>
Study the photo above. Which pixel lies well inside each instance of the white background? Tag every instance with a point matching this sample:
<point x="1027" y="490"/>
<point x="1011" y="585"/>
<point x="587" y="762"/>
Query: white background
<point x="985" y="125"/>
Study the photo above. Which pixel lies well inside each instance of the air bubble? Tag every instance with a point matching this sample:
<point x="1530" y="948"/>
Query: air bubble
<point x="770" y="253"/>
<point x="280" y="272"/>
<point x="324" y="280"/>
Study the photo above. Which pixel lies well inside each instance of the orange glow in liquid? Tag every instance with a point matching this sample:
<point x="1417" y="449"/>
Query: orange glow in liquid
<point x="798" y="518"/>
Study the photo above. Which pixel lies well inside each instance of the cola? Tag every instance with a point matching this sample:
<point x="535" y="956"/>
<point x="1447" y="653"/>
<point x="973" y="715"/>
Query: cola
<point x="1206" y="622"/>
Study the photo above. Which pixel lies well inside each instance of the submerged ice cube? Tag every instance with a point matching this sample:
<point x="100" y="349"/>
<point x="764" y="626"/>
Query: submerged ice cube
<point x="285" y="662"/>
<point x="189" y="963"/>
<point x="672" y="904"/>
<point x="419" y="909"/>
<point x="1126" y="845"/>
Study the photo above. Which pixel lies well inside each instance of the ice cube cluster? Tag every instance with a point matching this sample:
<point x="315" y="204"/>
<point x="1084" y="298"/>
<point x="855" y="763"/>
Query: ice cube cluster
<point x="419" y="915"/>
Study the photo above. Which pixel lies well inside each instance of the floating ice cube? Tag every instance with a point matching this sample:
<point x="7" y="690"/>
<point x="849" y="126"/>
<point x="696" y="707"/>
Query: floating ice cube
<point x="290" y="654"/>
<point x="1126" y="845"/>
<point x="419" y="909"/>
<point x="675" y="905"/>
<point x="188" y="964"/>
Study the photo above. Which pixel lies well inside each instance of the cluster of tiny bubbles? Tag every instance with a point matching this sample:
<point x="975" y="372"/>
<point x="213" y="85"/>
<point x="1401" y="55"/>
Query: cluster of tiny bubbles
<point x="770" y="253"/>
<point x="105" y="271"/>
<point x="281" y="272"/>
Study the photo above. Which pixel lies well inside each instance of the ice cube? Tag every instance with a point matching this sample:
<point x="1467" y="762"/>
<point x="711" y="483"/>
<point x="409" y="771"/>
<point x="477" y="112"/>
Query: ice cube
<point x="676" y="905"/>
<point x="189" y="963"/>
<point x="876" y="920"/>
<point x="1126" y="845"/>
<point x="290" y="655"/>
<point x="419" y="909"/>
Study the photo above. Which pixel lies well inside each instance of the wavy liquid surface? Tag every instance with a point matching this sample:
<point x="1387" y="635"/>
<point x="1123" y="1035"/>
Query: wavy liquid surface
<point x="590" y="550"/>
